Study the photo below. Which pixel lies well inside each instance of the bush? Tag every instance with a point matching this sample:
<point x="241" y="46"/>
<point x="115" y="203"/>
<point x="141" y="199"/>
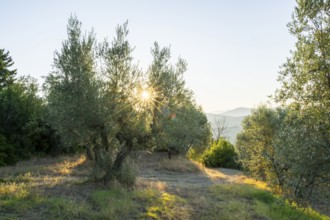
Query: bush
<point x="7" y="152"/>
<point x="220" y="154"/>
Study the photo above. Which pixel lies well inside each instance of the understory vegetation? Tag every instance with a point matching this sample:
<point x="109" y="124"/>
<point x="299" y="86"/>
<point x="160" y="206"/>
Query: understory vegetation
<point x="59" y="188"/>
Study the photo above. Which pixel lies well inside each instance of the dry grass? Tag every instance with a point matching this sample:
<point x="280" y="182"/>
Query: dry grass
<point x="176" y="189"/>
<point x="46" y="166"/>
<point x="147" y="184"/>
<point x="256" y="183"/>
<point x="180" y="165"/>
<point x="42" y="174"/>
<point x="66" y="167"/>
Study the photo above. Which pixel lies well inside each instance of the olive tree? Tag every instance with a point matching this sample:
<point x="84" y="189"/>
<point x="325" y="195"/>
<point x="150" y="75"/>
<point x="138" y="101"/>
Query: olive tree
<point x="92" y="101"/>
<point x="178" y="123"/>
<point x="305" y="90"/>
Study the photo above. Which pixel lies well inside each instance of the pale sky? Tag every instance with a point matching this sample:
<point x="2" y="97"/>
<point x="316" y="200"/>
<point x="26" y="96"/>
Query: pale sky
<point x="233" y="48"/>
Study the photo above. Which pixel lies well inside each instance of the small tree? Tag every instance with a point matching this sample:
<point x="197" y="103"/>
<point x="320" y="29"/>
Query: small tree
<point x="185" y="129"/>
<point x="305" y="92"/>
<point x="122" y="102"/>
<point x="95" y="106"/>
<point x="178" y="123"/>
<point x="72" y="89"/>
<point x="255" y="144"/>
<point x="220" y="154"/>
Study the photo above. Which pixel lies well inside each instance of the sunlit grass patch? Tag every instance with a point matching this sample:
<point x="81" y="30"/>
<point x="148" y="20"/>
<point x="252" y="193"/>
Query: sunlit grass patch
<point x="27" y="178"/>
<point x="215" y="174"/>
<point x="18" y="196"/>
<point x="256" y="203"/>
<point x="226" y="191"/>
<point x="180" y="164"/>
<point x="113" y="202"/>
<point x="22" y="178"/>
<point x="12" y="189"/>
<point x="284" y="210"/>
<point x="257" y="183"/>
<point x="66" y="167"/>
<point x="162" y="205"/>
<point x="45" y="166"/>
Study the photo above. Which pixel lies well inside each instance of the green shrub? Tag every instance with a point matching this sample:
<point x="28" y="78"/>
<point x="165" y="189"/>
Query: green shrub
<point x="220" y="154"/>
<point x="7" y="152"/>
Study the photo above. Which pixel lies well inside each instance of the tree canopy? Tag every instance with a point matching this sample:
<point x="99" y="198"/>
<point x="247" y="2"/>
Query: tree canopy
<point x="290" y="146"/>
<point x="100" y="100"/>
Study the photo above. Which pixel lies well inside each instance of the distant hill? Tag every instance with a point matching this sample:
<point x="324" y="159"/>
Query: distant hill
<point x="237" y="112"/>
<point x="233" y="120"/>
<point x="218" y="112"/>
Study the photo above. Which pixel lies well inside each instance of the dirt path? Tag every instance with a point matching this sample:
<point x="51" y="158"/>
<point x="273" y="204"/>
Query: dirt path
<point x="151" y="170"/>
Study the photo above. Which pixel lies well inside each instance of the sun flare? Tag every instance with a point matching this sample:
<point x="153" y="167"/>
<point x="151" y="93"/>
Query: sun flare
<point x="145" y="95"/>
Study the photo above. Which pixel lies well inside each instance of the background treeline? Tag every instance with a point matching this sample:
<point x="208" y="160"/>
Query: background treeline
<point x="23" y="128"/>
<point x="289" y="146"/>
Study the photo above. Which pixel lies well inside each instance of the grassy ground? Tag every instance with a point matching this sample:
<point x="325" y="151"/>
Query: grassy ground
<point x="60" y="189"/>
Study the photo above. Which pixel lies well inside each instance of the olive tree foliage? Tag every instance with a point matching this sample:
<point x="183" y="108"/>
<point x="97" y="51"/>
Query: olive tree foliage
<point x="126" y="114"/>
<point x="290" y="146"/>
<point x="305" y="77"/>
<point x="72" y="88"/>
<point x="304" y="153"/>
<point x="91" y="98"/>
<point x="177" y="122"/>
<point x="185" y="129"/>
<point x="255" y="144"/>
<point x="305" y="90"/>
